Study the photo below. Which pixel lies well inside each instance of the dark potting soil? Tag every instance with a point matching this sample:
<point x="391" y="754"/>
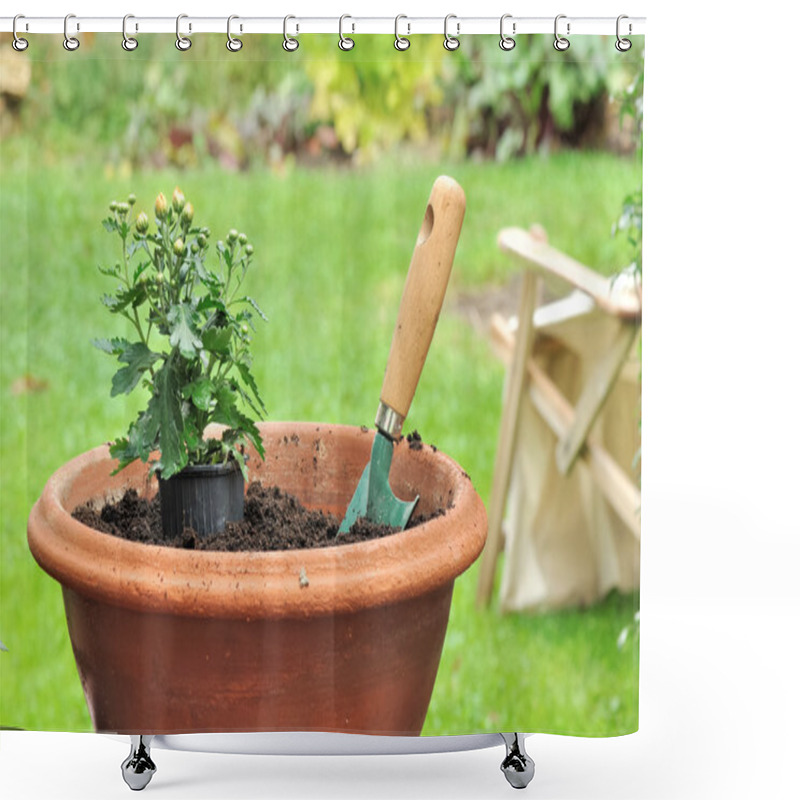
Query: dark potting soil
<point x="273" y="520"/>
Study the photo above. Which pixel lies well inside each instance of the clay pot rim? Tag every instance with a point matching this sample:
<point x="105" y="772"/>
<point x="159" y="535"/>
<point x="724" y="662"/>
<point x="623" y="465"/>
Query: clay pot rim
<point x="339" y="579"/>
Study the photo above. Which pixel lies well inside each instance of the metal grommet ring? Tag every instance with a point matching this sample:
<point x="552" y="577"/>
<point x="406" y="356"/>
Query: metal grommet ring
<point x="400" y="42"/>
<point x="129" y="43"/>
<point x="183" y="43"/>
<point x="233" y="44"/>
<point x="506" y="42"/>
<point x="70" y="42"/>
<point x="623" y="45"/>
<point x="19" y="44"/>
<point x="561" y="44"/>
<point x="290" y="44"/>
<point x="345" y="42"/>
<point x="451" y="42"/>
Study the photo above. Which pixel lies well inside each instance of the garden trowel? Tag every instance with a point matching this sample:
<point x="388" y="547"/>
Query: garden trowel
<point x="420" y="305"/>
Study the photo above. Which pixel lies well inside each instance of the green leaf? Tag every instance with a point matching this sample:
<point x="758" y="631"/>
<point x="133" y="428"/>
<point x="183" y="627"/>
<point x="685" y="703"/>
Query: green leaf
<point x="201" y="393"/>
<point x="139" y="358"/>
<point x="250" y="382"/>
<point x="165" y="407"/>
<point x="137" y="273"/>
<point x="191" y="436"/>
<point x="211" y="302"/>
<point x="227" y="413"/>
<point x="256" y="308"/>
<point x="109" y="225"/>
<point x="111" y="346"/>
<point x="183" y="330"/>
<point x="135" y="296"/>
<point x="217" y="339"/>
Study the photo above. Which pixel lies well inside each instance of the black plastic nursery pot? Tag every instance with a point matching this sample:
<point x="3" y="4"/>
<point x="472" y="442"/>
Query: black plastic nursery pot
<point x="203" y="497"/>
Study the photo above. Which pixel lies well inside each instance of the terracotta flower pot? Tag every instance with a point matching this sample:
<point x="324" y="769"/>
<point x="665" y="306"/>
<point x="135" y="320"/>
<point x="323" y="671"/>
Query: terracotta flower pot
<point x="334" y="639"/>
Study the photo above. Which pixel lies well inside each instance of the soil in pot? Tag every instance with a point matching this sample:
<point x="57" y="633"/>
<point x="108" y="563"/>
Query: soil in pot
<point x="273" y="520"/>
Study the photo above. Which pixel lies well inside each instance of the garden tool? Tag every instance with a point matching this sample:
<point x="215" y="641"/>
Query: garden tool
<point x="420" y="305"/>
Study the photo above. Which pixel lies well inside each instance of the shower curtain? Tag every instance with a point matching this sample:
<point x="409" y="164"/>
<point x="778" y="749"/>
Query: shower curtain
<point x="315" y="166"/>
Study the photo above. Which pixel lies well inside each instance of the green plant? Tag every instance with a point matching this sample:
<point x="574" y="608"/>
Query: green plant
<point x="191" y="348"/>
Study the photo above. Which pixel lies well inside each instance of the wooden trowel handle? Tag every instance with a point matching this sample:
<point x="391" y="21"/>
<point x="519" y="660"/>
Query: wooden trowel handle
<point x="423" y="295"/>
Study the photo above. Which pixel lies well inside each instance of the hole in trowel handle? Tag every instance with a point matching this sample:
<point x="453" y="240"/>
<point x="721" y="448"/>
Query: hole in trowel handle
<point x="427" y="226"/>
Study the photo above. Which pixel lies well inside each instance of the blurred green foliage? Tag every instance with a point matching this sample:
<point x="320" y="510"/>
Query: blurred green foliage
<point x="263" y="105"/>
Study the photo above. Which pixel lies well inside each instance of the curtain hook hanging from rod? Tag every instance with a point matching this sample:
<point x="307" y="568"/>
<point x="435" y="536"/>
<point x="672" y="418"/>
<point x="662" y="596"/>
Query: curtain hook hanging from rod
<point x="19" y="44"/>
<point x="233" y="44"/>
<point x="290" y="44"/>
<point x="400" y="42"/>
<point x="451" y="42"/>
<point x="183" y="43"/>
<point x="71" y="43"/>
<point x="129" y="43"/>
<point x="345" y="42"/>
<point x="623" y="45"/>
<point x="561" y="44"/>
<point x="507" y="42"/>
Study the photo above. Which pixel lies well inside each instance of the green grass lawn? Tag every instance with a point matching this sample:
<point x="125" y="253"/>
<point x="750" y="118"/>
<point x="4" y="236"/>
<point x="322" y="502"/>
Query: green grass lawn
<point x="332" y="250"/>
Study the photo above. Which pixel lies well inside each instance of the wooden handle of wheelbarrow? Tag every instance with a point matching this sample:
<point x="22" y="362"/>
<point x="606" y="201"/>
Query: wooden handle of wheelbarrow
<point x="423" y="295"/>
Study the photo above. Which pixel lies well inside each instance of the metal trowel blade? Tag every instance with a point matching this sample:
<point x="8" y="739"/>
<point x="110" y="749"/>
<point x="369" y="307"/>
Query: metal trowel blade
<point x="373" y="498"/>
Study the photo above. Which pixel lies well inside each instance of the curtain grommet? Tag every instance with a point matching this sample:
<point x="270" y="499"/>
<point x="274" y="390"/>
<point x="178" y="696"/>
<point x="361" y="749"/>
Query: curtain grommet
<point x="451" y="42"/>
<point x="560" y="43"/>
<point x="183" y="43"/>
<point x="507" y="42"/>
<point x="401" y="43"/>
<point x="345" y="42"/>
<point x="233" y="44"/>
<point x="623" y="45"/>
<point x="19" y="44"/>
<point x="71" y="43"/>
<point x="129" y="43"/>
<point x="290" y="44"/>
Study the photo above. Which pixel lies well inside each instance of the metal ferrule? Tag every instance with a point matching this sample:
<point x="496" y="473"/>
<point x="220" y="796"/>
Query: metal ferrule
<point x="388" y="421"/>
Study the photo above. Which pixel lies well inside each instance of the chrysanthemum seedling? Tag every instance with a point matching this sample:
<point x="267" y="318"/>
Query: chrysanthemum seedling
<point x="190" y="347"/>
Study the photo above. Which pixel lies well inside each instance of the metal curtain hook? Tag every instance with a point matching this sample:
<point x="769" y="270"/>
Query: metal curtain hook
<point x="560" y="42"/>
<point x="290" y="44"/>
<point x="345" y="42"/>
<point x="128" y="42"/>
<point x="182" y="42"/>
<point x="19" y="44"/>
<point x="451" y="42"/>
<point x="70" y="42"/>
<point x="506" y="42"/>
<point x="623" y="45"/>
<point x="233" y="44"/>
<point x="400" y="42"/>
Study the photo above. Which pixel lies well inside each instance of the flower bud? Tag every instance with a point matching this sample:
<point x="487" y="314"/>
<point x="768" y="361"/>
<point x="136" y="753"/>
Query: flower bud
<point x="112" y="206"/>
<point x="142" y="223"/>
<point x="161" y="206"/>
<point x="159" y="278"/>
<point x="122" y="208"/>
<point x="131" y="199"/>
<point x="177" y="248"/>
<point x="188" y="212"/>
<point x="245" y="328"/>
<point x="232" y="234"/>
<point x="178" y="200"/>
<point x="242" y="238"/>
<point x="201" y="240"/>
<point x="195" y="248"/>
<point x="249" y="249"/>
